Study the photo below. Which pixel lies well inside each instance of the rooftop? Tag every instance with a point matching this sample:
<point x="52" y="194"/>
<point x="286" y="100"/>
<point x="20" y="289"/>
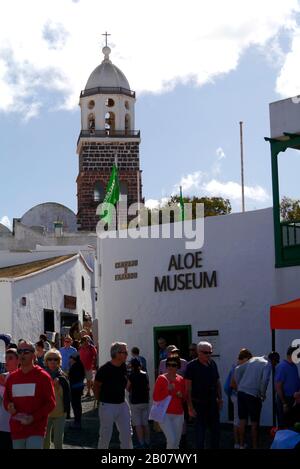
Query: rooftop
<point x="20" y="270"/>
<point x="107" y="75"/>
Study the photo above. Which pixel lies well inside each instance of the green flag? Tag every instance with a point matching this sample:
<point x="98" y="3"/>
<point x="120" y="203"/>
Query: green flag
<point x="111" y="197"/>
<point x="181" y="205"/>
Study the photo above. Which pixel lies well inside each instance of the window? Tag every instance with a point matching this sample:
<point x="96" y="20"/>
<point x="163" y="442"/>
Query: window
<point x="126" y="105"/>
<point x="70" y="302"/>
<point x="109" y="102"/>
<point x="91" y="121"/>
<point x="109" y="121"/>
<point x="99" y="192"/>
<point x="91" y="104"/>
<point x="49" y="320"/>
<point x="82" y="283"/>
<point x="127" y="122"/>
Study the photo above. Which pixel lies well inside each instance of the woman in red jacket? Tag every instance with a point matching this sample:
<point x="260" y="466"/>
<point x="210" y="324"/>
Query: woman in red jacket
<point x="170" y="383"/>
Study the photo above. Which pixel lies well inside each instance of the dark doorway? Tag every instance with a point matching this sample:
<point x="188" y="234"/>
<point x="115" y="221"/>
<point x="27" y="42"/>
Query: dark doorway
<point x="66" y="321"/>
<point x="181" y="336"/>
<point x="49" y="320"/>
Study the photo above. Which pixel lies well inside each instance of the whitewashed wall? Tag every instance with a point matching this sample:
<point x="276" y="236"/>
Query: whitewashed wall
<point x="45" y="290"/>
<point x="5" y="307"/>
<point x="27" y="238"/>
<point x="240" y="247"/>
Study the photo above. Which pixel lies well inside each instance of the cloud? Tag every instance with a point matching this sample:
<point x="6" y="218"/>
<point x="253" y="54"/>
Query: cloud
<point x="214" y="188"/>
<point x="62" y="45"/>
<point x="201" y="184"/>
<point x="209" y="184"/>
<point x="189" y="183"/>
<point x="156" y="203"/>
<point x="220" y="153"/>
<point x="24" y="85"/>
<point x="55" y="35"/>
<point x="5" y="221"/>
<point x="152" y="204"/>
<point x="217" y="166"/>
<point x="232" y="190"/>
<point x="288" y="83"/>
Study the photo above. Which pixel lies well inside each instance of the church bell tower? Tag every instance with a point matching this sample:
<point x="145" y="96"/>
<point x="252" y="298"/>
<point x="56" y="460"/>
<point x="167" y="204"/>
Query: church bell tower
<point x="107" y="135"/>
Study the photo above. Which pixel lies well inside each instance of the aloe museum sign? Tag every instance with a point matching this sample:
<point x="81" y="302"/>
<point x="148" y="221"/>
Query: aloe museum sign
<point x="178" y="280"/>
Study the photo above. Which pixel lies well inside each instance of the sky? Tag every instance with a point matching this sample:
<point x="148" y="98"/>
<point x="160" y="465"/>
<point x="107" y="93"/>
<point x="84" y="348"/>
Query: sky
<point x="198" y="68"/>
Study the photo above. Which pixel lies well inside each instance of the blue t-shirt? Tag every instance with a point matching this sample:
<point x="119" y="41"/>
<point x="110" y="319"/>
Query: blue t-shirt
<point x="287" y="373"/>
<point x="163" y="354"/>
<point x="65" y="355"/>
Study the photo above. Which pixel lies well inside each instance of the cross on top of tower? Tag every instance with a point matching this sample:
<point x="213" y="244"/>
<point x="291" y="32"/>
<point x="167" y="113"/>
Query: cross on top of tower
<point x="106" y="34"/>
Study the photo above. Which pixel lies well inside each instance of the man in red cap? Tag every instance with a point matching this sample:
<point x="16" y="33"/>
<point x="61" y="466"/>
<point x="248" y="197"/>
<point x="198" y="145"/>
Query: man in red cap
<point x="29" y="398"/>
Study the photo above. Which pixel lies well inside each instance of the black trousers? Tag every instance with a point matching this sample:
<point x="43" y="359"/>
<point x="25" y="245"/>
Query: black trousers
<point x="5" y="440"/>
<point x="76" y="404"/>
<point x="208" y="417"/>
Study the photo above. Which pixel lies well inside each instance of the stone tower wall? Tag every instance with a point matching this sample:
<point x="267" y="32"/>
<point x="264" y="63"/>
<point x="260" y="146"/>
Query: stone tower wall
<point x="95" y="164"/>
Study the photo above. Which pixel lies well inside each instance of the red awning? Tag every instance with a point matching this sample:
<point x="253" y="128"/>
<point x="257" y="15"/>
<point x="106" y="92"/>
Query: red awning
<point x="285" y="316"/>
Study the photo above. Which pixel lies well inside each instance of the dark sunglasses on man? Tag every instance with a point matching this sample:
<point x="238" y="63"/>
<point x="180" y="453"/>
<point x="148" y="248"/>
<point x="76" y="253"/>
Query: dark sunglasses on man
<point x="25" y="351"/>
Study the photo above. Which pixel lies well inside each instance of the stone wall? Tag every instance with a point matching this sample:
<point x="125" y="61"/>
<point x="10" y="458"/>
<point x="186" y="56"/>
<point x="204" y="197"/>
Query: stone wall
<point x="95" y="163"/>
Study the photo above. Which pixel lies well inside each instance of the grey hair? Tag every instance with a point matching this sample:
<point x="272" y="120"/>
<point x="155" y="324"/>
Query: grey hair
<point x="204" y="344"/>
<point x="27" y="342"/>
<point x="116" y="347"/>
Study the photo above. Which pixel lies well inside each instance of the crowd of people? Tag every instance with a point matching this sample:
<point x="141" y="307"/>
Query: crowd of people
<point x="246" y="387"/>
<point x="40" y="383"/>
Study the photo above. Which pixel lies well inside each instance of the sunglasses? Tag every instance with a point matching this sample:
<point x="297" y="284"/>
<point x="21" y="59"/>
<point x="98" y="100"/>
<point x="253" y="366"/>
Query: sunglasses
<point x="25" y="351"/>
<point x="171" y="365"/>
<point x="205" y="352"/>
<point x="54" y="359"/>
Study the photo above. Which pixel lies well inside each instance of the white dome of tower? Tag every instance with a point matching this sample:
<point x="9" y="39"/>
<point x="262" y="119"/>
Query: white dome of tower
<point x="107" y="75"/>
<point x="107" y="103"/>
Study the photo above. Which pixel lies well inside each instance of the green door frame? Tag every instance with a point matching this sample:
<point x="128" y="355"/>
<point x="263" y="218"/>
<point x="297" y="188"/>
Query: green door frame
<point x="187" y="327"/>
<point x="284" y="256"/>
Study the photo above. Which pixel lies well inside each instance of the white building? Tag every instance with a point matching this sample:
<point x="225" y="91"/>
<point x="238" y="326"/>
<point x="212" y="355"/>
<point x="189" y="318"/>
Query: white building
<point x="48" y="294"/>
<point x="149" y="287"/>
<point x="238" y="284"/>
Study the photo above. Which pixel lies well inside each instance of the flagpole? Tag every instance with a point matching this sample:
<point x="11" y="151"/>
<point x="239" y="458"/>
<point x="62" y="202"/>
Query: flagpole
<point x="138" y="196"/>
<point x="181" y="207"/>
<point x="117" y="204"/>
<point x="242" y="166"/>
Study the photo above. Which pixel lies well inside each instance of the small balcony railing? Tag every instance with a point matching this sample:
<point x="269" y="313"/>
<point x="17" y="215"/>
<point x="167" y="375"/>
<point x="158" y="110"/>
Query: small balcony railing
<point x="290" y="231"/>
<point x="109" y="134"/>
<point x="107" y="90"/>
